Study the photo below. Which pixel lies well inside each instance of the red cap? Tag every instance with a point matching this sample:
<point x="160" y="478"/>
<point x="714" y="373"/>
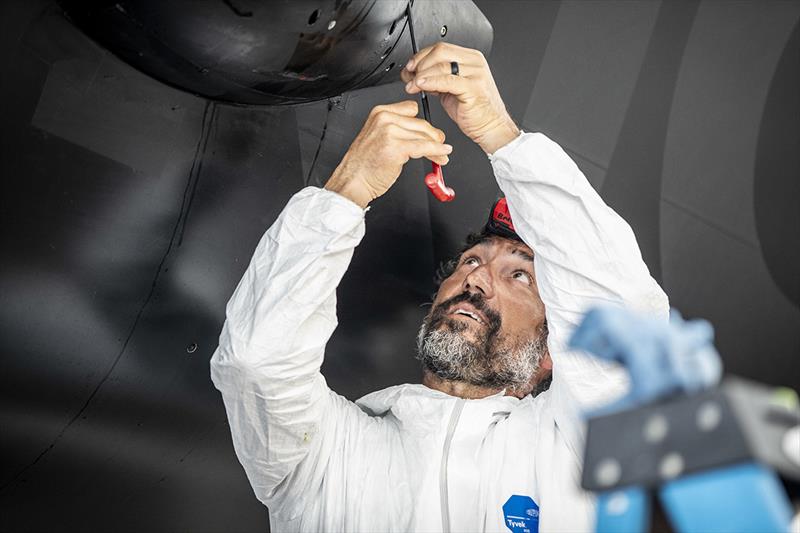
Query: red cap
<point x="500" y="221"/>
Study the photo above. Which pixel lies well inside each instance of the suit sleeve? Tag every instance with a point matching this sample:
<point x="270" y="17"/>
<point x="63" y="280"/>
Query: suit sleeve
<point x="584" y="254"/>
<point x="284" y="419"/>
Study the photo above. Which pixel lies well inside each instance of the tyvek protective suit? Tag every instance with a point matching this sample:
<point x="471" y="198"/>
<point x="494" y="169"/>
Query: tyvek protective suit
<point x="409" y="458"/>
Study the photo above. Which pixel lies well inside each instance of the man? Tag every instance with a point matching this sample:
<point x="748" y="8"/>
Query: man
<point x="469" y="447"/>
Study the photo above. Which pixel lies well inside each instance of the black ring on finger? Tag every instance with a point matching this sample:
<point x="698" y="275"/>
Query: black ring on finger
<point x="454" y="68"/>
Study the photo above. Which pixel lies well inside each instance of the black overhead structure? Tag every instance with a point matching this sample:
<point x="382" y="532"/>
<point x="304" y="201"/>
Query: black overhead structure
<point x="268" y="53"/>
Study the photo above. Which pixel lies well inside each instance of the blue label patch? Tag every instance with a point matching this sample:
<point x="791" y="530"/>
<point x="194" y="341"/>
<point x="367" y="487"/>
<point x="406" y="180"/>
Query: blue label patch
<point x="521" y="514"/>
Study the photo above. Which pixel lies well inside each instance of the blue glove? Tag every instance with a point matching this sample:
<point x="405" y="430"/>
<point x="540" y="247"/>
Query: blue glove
<point x="662" y="358"/>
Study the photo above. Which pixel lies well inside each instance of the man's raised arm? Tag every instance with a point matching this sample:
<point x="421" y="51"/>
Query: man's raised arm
<point x="279" y="319"/>
<point x="585" y="255"/>
<point x="284" y="420"/>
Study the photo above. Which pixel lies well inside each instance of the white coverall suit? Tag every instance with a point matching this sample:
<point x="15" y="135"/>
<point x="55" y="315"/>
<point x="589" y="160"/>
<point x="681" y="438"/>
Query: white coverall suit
<point x="409" y="458"/>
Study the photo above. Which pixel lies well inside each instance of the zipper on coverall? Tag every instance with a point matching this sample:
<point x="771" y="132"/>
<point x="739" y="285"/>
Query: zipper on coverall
<point x="443" y="497"/>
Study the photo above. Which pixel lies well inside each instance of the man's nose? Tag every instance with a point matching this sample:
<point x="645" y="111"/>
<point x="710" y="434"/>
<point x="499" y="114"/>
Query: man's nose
<point x="480" y="280"/>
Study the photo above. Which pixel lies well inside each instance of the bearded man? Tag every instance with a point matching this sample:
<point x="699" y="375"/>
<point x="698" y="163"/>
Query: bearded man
<point x="475" y="447"/>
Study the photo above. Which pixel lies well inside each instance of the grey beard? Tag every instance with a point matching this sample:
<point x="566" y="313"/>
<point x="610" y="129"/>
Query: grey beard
<point x="447" y="354"/>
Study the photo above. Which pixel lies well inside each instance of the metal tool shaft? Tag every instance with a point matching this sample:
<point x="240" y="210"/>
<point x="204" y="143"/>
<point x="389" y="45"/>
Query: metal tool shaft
<point x="426" y="110"/>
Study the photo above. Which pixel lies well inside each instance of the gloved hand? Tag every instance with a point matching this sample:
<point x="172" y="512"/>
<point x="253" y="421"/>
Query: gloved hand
<point x="662" y="358"/>
<point x="390" y="137"/>
<point x="471" y="98"/>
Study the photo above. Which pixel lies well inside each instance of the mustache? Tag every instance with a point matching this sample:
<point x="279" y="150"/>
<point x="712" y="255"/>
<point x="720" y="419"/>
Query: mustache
<point x="475" y="299"/>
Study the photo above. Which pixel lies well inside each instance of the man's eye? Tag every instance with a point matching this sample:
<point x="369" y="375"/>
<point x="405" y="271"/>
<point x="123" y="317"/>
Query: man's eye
<point x="522" y="276"/>
<point x="471" y="261"/>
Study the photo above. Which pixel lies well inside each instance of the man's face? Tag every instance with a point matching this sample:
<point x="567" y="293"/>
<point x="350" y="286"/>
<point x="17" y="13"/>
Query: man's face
<point x="486" y="323"/>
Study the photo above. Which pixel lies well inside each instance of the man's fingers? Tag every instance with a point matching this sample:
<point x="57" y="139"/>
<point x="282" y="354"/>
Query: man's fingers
<point x="411" y="66"/>
<point x="449" y="83"/>
<point x="407" y="108"/>
<point x="406" y="75"/>
<point x="417" y="149"/>
<point x="441" y="69"/>
<point x="406" y="136"/>
<point x="415" y="126"/>
<point x="444" y="68"/>
<point x="445" y="53"/>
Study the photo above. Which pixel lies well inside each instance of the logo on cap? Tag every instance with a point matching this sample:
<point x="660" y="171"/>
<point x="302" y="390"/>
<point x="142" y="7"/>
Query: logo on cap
<point x="501" y="215"/>
<point x="500" y="222"/>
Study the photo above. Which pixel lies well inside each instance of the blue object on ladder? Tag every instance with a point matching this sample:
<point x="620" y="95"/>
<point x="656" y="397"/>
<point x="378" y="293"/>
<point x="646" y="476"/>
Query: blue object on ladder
<point x="742" y="498"/>
<point x="626" y="510"/>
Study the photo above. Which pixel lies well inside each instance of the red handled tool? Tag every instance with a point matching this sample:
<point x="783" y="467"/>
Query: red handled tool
<point x="434" y="179"/>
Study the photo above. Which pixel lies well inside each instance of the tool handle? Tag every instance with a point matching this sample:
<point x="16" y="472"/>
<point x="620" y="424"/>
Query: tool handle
<point x="435" y="182"/>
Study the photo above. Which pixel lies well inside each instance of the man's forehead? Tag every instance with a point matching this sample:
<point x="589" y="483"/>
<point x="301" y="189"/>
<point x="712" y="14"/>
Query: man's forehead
<point x="505" y="246"/>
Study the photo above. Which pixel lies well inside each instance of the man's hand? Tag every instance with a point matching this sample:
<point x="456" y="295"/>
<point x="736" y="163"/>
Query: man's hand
<point x="471" y="99"/>
<point x="391" y="136"/>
